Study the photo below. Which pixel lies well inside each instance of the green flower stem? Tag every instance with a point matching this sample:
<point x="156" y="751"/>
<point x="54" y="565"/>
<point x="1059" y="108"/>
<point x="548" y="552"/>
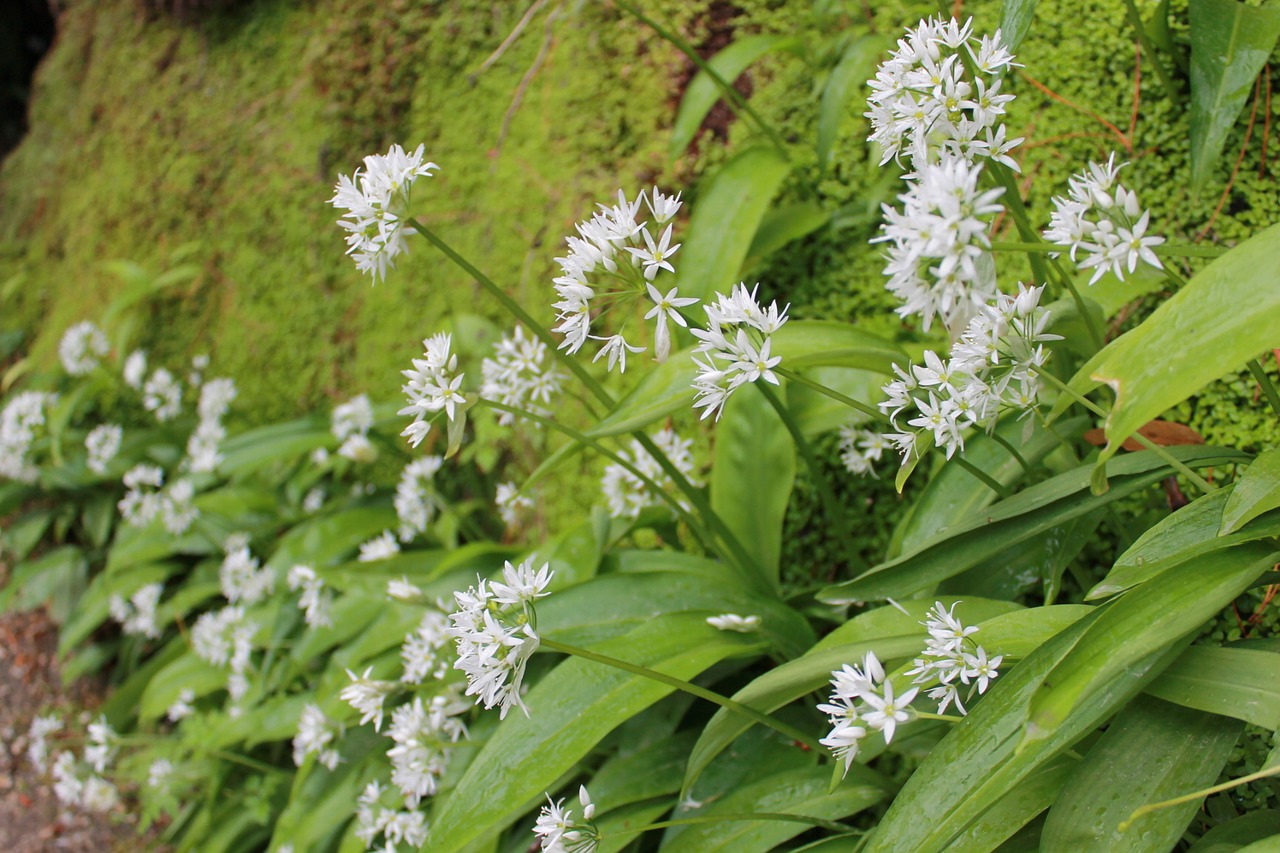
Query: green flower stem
<point x="246" y="761"/>
<point x="870" y="411"/>
<point x="1149" y="49"/>
<point x="1204" y="485"/>
<point x="1199" y="795"/>
<point x="1167" y="250"/>
<point x="828" y="497"/>
<point x="736" y="102"/>
<point x="946" y="718"/>
<point x="990" y="482"/>
<point x="693" y="689"/>
<point x="1268" y="387"/>
<point x="754" y="816"/>
<point x="1013" y="451"/>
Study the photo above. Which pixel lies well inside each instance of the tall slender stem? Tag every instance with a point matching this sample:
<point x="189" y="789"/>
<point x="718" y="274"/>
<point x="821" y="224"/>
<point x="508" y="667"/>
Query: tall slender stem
<point x="989" y="481"/>
<point x="749" y="817"/>
<point x="866" y="409"/>
<point x="1149" y="49"/>
<point x="1268" y="387"/>
<point x="828" y="497"/>
<point x="1013" y="451"/>
<point x="1167" y="250"/>
<point x="725" y="702"/>
<point x="1200" y="795"/>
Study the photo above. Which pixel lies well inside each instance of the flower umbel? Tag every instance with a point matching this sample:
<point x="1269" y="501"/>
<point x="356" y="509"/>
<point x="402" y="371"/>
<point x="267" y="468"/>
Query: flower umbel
<point x="559" y="832"/>
<point x="374" y="201"/>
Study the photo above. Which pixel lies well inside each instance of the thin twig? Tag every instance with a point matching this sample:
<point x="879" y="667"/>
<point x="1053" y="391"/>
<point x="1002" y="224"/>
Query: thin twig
<point x="1124" y="140"/>
<point x="1244" y="146"/>
<point x="547" y="40"/>
<point x="510" y="39"/>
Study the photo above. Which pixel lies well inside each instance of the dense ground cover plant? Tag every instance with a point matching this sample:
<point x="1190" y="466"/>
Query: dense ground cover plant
<point x="323" y="611"/>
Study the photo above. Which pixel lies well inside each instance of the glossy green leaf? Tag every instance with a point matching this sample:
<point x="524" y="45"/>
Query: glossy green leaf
<point x="1153" y="618"/>
<point x="1230" y="42"/>
<point x="702" y="92"/>
<point x="185" y="673"/>
<point x="857" y="64"/>
<point x="1152" y="751"/>
<point x="571" y="709"/>
<point x="327" y="539"/>
<point x="1257" y="491"/>
<point x="1235" y="834"/>
<point x="752" y="476"/>
<point x="619" y="827"/>
<point x="649" y="772"/>
<point x="1193" y="338"/>
<point x="783" y="225"/>
<point x="801" y="791"/>
<point x="1015" y="21"/>
<point x="664" y="389"/>
<point x="725" y="220"/>
<point x="1028" y="514"/>
<point x="1019" y="807"/>
<point x="1239" y="683"/>
<point x="250" y="451"/>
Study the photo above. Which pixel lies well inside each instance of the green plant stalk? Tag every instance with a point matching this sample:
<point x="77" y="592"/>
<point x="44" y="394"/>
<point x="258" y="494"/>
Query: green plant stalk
<point x="989" y="481"/>
<point x="1199" y="795"/>
<point x="692" y="689"/>
<point x="754" y="816"/>
<point x="870" y="411"/>
<point x="827" y="496"/>
<point x="946" y="718"/>
<point x="1013" y="451"/>
<point x="736" y="102"/>
<point x="1149" y="49"/>
<point x="1268" y="387"/>
<point x="1167" y="250"/>
<point x="246" y="761"/>
<point x="1204" y="485"/>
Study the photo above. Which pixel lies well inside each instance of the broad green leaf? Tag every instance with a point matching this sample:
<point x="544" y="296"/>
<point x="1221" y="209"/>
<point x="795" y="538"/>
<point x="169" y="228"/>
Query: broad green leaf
<point x="325" y="540"/>
<point x="1230" y="42"/>
<point x="1193" y="338"/>
<point x="185" y="673"/>
<point x="702" y="93"/>
<point x="665" y="389"/>
<point x="1037" y="564"/>
<point x="55" y="579"/>
<point x="255" y="449"/>
<point x="1151" y="619"/>
<point x="647" y="773"/>
<point x="1257" y="491"/>
<point x="857" y="64"/>
<point x="92" y="608"/>
<point x="817" y="413"/>
<point x="1233" y="835"/>
<point x="1152" y="751"/>
<point x="783" y="225"/>
<point x="122" y="707"/>
<point x="619" y="827"/>
<point x="1015" y="21"/>
<point x="802" y="791"/>
<point x="1239" y="683"/>
<point x="725" y="220"/>
<point x="1021" y="518"/>
<point x="1018" y="808"/>
<point x="752" y="476"/>
<point x="571" y="710"/>
<point x="22" y="535"/>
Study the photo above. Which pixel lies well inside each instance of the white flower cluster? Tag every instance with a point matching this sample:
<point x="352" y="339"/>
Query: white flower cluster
<point x="626" y="494"/>
<point x="19" y="421"/>
<point x="135" y="369"/>
<point x="374" y="201"/>
<point x="735" y="622"/>
<point x="81" y="347"/>
<point x="182" y="707"/>
<point x="424" y="735"/>
<point x="199" y="364"/>
<point x="366" y="695"/>
<point x="860" y="449"/>
<point x="350" y="424"/>
<point x="416" y="502"/>
<point x="77" y="786"/>
<point x="520" y="374"/>
<point x="381" y="547"/>
<point x="559" y="832"/>
<point x="1102" y="221"/>
<point x="137" y="613"/>
<point x="146" y="500"/>
<point x="615" y="251"/>
<point x="102" y="444"/>
<point x="319" y="734"/>
<point x="38" y="740"/>
<point x="862" y="700"/>
<point x="921" y="103"/>
<point x="162" y="395"/>
<point x="432" y="386"/>
<point x="737" y="344"/>
<point x="160" y="774"/>
<point x="316" y="602"/>
<point x="510" y="503"/>
<point x="216" y="396"/>
<point x="938" y="261"/>
<point x="225" y="638"/>
<point x="395" y="826"/>
<point x="243" y="578"/>
<point x="951" y="658"/>
<point x="993" y="367"/>
<point x="424" y="653"/>
<point x="495" y="632"/>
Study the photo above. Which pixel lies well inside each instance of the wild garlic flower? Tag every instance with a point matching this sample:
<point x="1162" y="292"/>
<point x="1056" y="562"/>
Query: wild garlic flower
<point x="314" y="500"/>
<point x="614" y="260"/>
<point x="141" y="505"/>
<point x="734" y="622"/>
<point x="432" y="386"/>
<point x="319" y="734"/>
<point x="137" y="613"/>
<point x="395" y="826"/>
<point x="366" y="695"/>
<point x="862" y="701"/>
<point x="216" y="396"/>
<point x="426" y="653"/>
<point x="860" y="449"/>
<point x="925" y="103"/>
<point x="316" y="602"/>
<point x="736" y="343"/>
<point x="100" y="749"/>
<point x="416" y="501"/>
<point x="951" y="658"/>
<point x="81" y="347"/>
<point x="939" y="261"/>
<point x="511" y="504"/>
<point x="182" y="707"/>
<point x="1101" y="224"/>
<point x="375" y="201"/>
<point x="160" y="774"/>
<point x="495" y="631"/>
<point x="75" y="786"/>
<point x="135" y="369"/>
<point x="224" y="637"/>
<point x="521" y="374"/>
<point x="38" y="740"/>
<point x="243" y="578"/>
<point x="382" y="547"/>
<point x="102" y="444"/>
<point x="354" y="417"/>
<point x="993" y="368"/>
<point x="425" y="735"/>
<point x="20" y="421"/>
<point x="199" y="364"/>
<point x="628" y="495"/>
<point x="177" y="509"/>
<point x="559" y="832"/>
<point x="162" y="395"/>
